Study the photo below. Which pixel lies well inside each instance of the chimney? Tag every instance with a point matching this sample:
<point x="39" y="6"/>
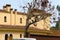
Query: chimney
<point x="11" y="11"/>
<point x="15" y="11"/>
<point x="8" y="6"/>
<point x="4" y="7"/>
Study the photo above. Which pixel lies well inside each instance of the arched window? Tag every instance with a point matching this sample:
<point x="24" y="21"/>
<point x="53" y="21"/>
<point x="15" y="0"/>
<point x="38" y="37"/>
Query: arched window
<point x="6" y="36"/>
<point x="20" y="35"/>
<point x="11" y="37"/>
<point x="20" y="20"/>
<point x="5" y="19"/>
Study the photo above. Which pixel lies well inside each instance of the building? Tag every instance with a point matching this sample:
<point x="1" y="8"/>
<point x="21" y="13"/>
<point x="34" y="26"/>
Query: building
<point x="12" y="23"/>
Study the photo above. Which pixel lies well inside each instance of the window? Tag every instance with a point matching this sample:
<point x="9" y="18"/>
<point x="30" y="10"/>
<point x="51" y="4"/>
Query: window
<point x="20" y="35"/>
<point x="6" y="36"/>
<point x="20" y="20"/>
<point x="5" y="19"/>
<point x="11" y="36"/>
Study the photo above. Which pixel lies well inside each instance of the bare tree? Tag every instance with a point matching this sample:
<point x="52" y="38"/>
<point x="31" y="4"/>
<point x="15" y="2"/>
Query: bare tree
<point x="39" y="5"/>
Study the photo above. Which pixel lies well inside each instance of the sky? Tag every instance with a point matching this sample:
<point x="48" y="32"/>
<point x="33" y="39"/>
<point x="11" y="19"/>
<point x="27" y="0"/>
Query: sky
<point x="15" y="4"/>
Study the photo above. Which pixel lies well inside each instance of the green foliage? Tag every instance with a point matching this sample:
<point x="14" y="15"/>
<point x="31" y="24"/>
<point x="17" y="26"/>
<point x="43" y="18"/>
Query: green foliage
<point x="58" y="7"/>
<point x="58" y="25"/>
<point x="53" y="28"/>
<point x="59" y="13"/>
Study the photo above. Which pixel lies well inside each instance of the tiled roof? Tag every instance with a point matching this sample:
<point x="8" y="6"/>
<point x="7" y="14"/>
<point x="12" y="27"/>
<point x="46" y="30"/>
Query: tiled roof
<point x="55" y="33"/>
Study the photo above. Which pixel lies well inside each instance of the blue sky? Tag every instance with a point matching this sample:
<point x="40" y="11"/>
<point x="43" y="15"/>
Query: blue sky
<point x="15" y="4"/>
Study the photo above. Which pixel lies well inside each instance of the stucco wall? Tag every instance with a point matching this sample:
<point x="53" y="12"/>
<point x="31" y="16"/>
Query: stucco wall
<point x="16" y="35"/>
<point x="12" y="19"/>
<point x="2" y="36"/>
<point x="23" y="20"/>
<point x="42" y="24"/>
<point x="47" y="23"/>
<point x="2" y="14"/>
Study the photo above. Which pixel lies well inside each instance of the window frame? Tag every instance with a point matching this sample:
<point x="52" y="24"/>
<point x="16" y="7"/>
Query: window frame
<point x="6" y="36"/>
<point x="21" y="20"/>
<point x="5" y="19"/>
<point x="20" y="35"/>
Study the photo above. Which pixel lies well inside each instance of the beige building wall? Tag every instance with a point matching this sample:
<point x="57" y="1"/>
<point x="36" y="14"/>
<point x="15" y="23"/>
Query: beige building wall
<point x="16" y="35"/>
<point x="2" y="14"/>
<point x="39" y="25"/>
<point x="12" y="19"/>
<point x="23" y="20"/>
<point x="47" y="23"/>
<point x="42" y="24"/>
<point x="2" y="36"/>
